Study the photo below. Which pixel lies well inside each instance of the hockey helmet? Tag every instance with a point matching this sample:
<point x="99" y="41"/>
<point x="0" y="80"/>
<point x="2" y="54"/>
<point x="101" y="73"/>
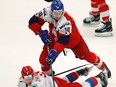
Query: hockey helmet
<point x="57" y="5"/>
<point x="26" y="71"/>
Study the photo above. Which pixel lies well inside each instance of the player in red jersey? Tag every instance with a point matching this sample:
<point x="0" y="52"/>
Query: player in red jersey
<point x="99" y="9"/>
<point x="63" y="33"/>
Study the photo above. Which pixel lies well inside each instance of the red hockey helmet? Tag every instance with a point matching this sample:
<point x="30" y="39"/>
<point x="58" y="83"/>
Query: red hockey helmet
<point x="26" y="71"/>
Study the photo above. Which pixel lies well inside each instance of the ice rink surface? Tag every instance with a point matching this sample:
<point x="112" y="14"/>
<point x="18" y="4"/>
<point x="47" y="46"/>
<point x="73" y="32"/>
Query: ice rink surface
<point x="19" y="46"/>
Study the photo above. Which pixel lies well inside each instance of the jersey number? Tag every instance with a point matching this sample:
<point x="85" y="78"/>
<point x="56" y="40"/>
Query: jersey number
<point x="67" y="30"/>
<point x="42" y="13"/>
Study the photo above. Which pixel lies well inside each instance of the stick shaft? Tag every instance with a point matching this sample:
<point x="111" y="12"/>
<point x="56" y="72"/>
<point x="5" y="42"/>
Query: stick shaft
<point x="51" y="68"/>
<point x="71" y="69"/>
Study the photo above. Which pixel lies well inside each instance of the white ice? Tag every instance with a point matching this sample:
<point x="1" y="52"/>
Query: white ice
<point x="19" y="46"/>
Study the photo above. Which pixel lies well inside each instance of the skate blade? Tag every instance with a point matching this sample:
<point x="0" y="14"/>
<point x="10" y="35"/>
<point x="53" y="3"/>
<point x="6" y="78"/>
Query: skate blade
<point x="92" y="24"/>
<point x="105" y="34"/>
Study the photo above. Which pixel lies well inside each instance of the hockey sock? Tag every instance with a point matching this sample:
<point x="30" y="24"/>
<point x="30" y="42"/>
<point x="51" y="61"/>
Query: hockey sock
<point x="72" y="77"/>
<point x="92" y="81"/>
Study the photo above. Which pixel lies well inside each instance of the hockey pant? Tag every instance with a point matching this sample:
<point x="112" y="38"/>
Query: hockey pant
<point x="82" y="52"/>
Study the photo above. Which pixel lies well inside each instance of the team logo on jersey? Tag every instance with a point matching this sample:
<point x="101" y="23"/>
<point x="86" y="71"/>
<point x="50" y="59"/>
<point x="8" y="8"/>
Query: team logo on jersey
<point x="67" y="23"/>
<point x="65" y="28"/>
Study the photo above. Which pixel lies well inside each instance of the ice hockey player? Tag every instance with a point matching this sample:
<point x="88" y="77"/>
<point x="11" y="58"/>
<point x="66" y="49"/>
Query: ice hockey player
<point x="99" y="9"/>
<point x="30" y="78"/>
<point x="63" y="33"/>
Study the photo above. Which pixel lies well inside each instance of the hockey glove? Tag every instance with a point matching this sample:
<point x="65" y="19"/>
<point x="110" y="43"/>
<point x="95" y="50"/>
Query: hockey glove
<point x="52" y="56"/>
<point x="45" y="37"/>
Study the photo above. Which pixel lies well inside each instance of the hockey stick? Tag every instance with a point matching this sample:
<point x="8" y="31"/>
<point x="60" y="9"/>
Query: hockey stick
<point x="51" y="68"/>
<point x="71" y="69"/>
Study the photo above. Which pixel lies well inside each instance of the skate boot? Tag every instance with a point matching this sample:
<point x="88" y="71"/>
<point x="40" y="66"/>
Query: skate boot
<point x="105" y="30"/>
<point x="92" y="20"/>
<point x="103" y="79"/>
<point x="84" y="71"/>
<point x="107" y="72"/>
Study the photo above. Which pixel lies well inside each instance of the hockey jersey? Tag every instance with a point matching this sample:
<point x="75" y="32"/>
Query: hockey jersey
<point x="63" y="32"/>
<point x="42" y="80"/>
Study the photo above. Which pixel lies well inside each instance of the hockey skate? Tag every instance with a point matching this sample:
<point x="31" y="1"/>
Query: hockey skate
<point x="84" y="71"/>
<point x="92" y="20"/>
<point x="103" y="79"/>
<point x="105" y="30"/>
<point x="107" y="72"/>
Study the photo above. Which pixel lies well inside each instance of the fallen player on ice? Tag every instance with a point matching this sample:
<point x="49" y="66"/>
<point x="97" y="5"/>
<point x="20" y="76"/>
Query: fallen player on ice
<point x="30" y="78"/>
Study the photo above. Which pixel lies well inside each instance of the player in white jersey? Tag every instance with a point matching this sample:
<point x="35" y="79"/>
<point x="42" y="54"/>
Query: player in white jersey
<point x="30" y="78"/>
